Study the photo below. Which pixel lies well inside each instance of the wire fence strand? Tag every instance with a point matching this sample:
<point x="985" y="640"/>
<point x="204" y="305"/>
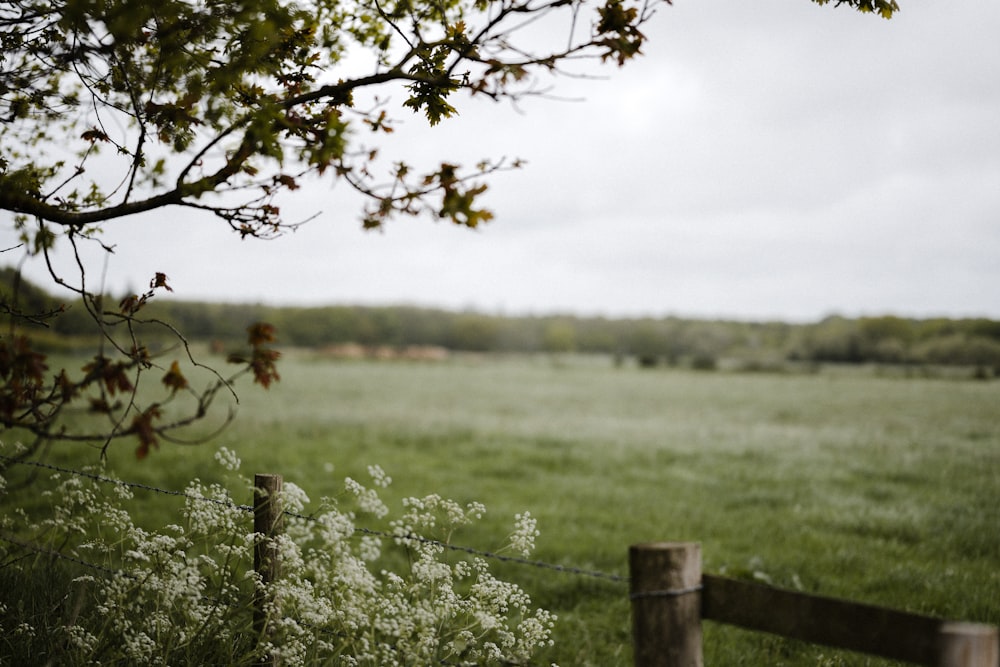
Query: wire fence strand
<point x="131" y="485"/>
<point x="490" y="555"/>
<point x="60" y="555"/>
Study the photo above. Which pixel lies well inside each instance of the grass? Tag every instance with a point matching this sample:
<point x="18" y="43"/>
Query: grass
<point x="878" y="489"/>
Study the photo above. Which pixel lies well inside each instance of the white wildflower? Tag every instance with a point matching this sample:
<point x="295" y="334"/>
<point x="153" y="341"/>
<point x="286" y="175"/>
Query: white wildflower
<point x="368" y="500"/>
<point x="379" y="477"/>
<point x="370" y="549"/>
<point x="80" y="639"/>
<point x="522" y="540"/>
<point x="475" y="510"/>
<point x="193" y="582"/>
<point x="293" y="498"/>
<point x="132" y="554"/>
<point x="228" y="459"/>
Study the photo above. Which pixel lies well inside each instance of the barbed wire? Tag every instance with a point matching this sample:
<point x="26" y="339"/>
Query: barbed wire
<point x="567" y="569"/>
<point x="132" y="485"/>
<point x="491" y="555"/>
<point x="58" y="554"/>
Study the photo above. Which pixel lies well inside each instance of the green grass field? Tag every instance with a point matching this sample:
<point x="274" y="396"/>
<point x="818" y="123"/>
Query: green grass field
<point x="842" y="483"/>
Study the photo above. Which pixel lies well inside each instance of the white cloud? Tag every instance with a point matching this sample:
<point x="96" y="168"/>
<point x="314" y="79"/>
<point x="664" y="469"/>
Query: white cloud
<point x="772" y="158"/>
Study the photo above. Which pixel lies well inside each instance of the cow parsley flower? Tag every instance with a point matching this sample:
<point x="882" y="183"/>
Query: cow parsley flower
<point x="522" y="540"/>
<point x="189" y="589"/>
<point x="368" y="500"/>
<point x="228" y="459"/>
<point x="379" y="477"/>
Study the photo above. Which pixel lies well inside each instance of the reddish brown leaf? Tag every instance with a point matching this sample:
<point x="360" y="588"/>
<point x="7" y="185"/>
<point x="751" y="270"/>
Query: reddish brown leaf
<point x="112" y="375"/>
<point x="93" y="134"/>
<point x="263" y="366"/>
<point x="100" y="406"/>
<point x="174" y="379"/>
<point x="260" y="333"/>
<point x="131" y="304"/>
<point x="160" y="280"/>
<point x="142" y="426"/>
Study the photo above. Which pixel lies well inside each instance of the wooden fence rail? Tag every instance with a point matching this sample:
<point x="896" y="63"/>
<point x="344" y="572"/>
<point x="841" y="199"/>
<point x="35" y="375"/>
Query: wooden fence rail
<point x="670" y="597"/>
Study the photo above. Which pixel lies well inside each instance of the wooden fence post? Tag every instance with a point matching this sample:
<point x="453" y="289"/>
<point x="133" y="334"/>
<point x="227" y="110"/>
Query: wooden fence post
<point x="267" y="521"/>
<point x="666" y="604"/>
<point x="968" y="645"/>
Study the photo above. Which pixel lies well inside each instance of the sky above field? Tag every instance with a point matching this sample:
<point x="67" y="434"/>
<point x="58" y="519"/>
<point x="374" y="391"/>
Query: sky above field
<point x="765" y="160"/>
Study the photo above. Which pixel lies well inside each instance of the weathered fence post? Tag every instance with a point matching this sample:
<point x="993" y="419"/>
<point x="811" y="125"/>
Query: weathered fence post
<point x="666" y="604"/>
<point x="968" y="645"/>
<point x="266" y="563"/>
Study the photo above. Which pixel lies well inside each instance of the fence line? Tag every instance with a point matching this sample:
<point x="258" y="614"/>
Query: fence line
<point x="516" y="560"/>
<point x="670" y="597"/>
<point x="119" y="482"/>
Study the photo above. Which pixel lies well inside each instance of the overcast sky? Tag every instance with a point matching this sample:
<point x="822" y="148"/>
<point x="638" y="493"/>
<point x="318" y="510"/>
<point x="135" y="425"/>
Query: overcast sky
<point x="766" y="159"/>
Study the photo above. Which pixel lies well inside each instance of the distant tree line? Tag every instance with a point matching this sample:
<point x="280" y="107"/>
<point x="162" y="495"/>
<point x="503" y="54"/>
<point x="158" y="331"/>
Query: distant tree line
<point x="670" y="341"/>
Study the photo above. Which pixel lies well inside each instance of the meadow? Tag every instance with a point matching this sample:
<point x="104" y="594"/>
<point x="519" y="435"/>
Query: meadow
<point x="841" y="482"/>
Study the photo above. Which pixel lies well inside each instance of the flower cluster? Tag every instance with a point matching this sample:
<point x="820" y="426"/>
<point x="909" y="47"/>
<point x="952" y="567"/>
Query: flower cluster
<point x="344" y="596"/>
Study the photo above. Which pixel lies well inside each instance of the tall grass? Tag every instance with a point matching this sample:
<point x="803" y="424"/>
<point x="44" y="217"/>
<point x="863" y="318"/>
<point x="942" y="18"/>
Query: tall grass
<point x="882" y="490"/>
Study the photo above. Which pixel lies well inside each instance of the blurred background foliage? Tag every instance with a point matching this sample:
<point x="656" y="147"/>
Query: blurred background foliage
<point x="350" y="330"/>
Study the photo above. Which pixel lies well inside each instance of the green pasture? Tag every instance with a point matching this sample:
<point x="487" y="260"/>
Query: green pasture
<point x="846" y="483"/>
